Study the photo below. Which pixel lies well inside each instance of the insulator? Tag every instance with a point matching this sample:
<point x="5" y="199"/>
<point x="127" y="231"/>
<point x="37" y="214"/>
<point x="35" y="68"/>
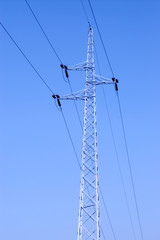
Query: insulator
<point x="113" y="79"/>
<point x="54" y="96"/>
<point x="62" y="66"/>
<point x="59" y="104"/>
<point x="117" y="81"/>
<point x="116" y="86"/>
<point x="66" y="73"/>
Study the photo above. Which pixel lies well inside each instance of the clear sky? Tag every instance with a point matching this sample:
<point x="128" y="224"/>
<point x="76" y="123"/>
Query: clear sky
<point x="39" y="175"/>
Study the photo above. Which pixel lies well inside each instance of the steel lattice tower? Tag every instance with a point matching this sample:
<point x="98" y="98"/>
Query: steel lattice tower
<point x="88" y="225"/>
<point x="89" y="213"/>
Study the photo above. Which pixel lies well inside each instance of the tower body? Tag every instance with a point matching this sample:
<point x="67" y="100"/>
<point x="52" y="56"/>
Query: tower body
<point x="88" y="224"/>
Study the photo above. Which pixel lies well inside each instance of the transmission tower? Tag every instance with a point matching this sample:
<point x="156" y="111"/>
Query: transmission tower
<point x="88" y="224"/>
<point x="89" y="212"/>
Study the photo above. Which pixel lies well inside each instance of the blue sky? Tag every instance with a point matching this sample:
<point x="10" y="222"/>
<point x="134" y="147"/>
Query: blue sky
<point x="39" y="175"/>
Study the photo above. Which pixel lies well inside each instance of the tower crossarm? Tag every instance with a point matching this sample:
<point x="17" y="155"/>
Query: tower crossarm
<point x="79" y="67"/>
<point x="82" y="66"/>
<point x="102" y="80"/>
<point x="80" y="95"/>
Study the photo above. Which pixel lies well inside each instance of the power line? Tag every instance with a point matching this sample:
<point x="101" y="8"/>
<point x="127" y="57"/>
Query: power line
<point x="71" y="90"/>
<point x="51" y="45"/>
<point x="86" y="15"/>
<point x="43" y="31"/>
<point x="24" y="55"/>
<point x="101" y="38"/>
<point x="109" y="219"/>
<point x="45" y="85"/>
<point x="116" y="151"/>
<point x="75" y="106"/>
<point x="119" y="167"/>
<point x="103" y="233"/>
<point x="69" y="134"/>
<point x="130" y="168"/>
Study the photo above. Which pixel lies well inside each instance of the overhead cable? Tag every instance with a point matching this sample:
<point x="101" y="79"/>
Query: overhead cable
<point x="101" y="38"/>
<point x="116" y="152"/>
<point x="71" y="90"/>
<point x="43" y="31"/>
<point x="86" y="15"/>
<point x="46" y="86"/>
<point x="130" y="168"/>
<point x="80" y="122"/>
<point x="69" y="134"/>
<point x="109" y="219"/>
<point x="51" y="45"/>
<point x="103" y="233"/>
<point x="27" y="59"/>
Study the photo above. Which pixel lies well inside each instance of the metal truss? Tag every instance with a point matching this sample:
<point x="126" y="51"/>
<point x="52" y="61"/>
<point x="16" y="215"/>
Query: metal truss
<point x="89" y="212"/>
<point x="82" y="94"/>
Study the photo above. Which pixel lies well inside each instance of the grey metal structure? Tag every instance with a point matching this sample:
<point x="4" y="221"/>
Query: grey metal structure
<point x="89" y="212"/>
<point x="88" y="224"/>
